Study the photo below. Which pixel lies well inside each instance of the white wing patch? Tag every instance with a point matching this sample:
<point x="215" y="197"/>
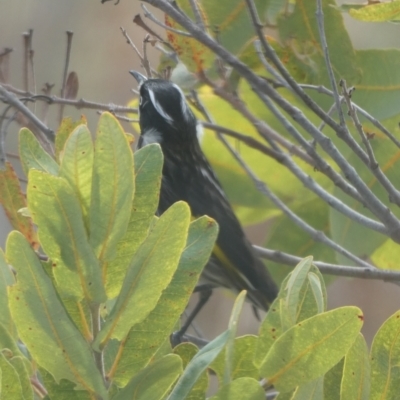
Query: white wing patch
<point x="151" y="136"/>
<point x="199" y="131"/>
<point x="158" y="107"/>
<point x="184" y="106"/>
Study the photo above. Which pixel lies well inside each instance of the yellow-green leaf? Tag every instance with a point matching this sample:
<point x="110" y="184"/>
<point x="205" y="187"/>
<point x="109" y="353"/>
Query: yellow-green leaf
<point x="43" y="324"/>
<point x="311" y="347"/>
<point x="149" y="273"/>
<point x="77" y="164"/>
<point x="33" y="155"/>
<point x="145" y="338"/>
<point x="148" y="166"/>
<point x="385" y="358"/>
<point x="240" y="389"/>
<point x="55" y="209"/>
<point x="356" y="379"/>
<point x="112" y="188"/>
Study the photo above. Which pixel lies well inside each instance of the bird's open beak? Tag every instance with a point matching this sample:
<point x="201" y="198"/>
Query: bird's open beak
<point x="138" y="76"/>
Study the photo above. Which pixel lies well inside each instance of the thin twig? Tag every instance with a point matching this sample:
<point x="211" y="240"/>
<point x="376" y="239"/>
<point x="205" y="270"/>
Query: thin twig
<point x="353" y="114"/>
<point x="341" y="130"/>
<point x="65" y="73"/>
<point x="382" y="212"/>
<point x="197" y="14"/>
<point x="321" y="29"/>
<point x="365" y="114"/>
<point x="146" y="62"/>
<point x="268" y="66"/>
<point x="151" y="17"/>
<point x="27" y="37"/>
<point x="79" y="104"/>
<point x="316" y="235"/>
<point x="360" y="271"/>
<point x="13" y="100"/>
<point x="248" y="140"/>
<point x="331" y="200"/>
<point x="321" y="164"/>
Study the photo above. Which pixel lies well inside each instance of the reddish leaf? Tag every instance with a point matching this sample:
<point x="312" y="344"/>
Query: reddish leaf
<point x="193" y="54"/>
<point x="12" y="199"/>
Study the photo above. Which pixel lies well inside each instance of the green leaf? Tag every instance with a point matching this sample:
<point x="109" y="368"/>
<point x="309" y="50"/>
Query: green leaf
<point x="356" y="372"/>
<point x="376" y="92"/>
<point x="154" y="381"/>
<point x="112" y="188"/>
<point x="232" y="328"/>
<point x="145" y="338"/>
<point x="385" y="358"/>
<point x="387" y="256"/>
<point x="19" y="364"/>
<point x="206" y="355"/>
<point x="6" y="279"/>
<point x="64" y="390"/>
<point x="313" y="390"/>
<point x="56" y="210"/>
<point x="64" y="130"/>
<point x="353" y="236"/>
<point x="231" y="20"/>
<point x="242" y="365"/>
<point x="279" y="319"/>
<point x="381" y="12"/>
<point x="240" y="389"/>
<point x="309" y="349"/>
<point x="294" y="286"/>
<point x="286" y="236"/>
<point x="317" y="288"/>
<point x="333" y="381"/>
<point x="10" y="383"/>
<point x="186" y="351"/>
<point x="299" y="29"/>
<point x="33" y="155"/>
<point x="150" y="272"/>
<point x="43" y="324"/>
<point x="76" y="166"/>
<point x="9" y="342"/>
<point x="148" y="165"/>
<point x="197" y="366"/>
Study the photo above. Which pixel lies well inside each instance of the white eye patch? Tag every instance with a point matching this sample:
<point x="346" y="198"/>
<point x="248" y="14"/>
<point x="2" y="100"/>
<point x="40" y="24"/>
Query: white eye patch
<point x="158" y="108"/>
<point x="184" y="107"/>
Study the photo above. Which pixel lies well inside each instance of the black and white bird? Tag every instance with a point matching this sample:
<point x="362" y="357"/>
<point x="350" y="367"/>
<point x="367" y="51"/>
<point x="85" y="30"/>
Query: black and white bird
<point x="166" y="119"/>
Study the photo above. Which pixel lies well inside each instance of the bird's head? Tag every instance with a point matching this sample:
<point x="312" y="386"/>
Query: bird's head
<point x="164" y="115"/>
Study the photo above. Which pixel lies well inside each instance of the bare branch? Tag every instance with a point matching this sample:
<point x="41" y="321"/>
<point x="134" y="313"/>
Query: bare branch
<point x="318" y="236"/>
<point x="321" y="29"/>
<point x="382" y="212"/>
<point x="65" y="73"/>
<point x="331" y="269"/>
<point x="365" y="114"/>
<point x="13" y="100"/>
<point x="150" y="16"/>
<point x="79" y="104"/>
<point x="248" y="140"/>
<point x="197" y="14"/>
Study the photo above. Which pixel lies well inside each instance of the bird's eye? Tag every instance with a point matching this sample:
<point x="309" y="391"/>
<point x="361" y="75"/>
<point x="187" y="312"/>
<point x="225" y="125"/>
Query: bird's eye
<point x="140" y="100"/>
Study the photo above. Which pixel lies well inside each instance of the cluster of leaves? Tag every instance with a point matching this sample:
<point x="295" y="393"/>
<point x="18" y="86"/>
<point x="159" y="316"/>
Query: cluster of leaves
<point x="374" y="11"/>
<point x="296" y="41"/>
<point x="93" y="320"/>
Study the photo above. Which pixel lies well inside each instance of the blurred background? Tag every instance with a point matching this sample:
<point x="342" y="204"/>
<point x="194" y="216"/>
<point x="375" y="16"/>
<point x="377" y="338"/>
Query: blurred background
<point x="102" y="58"/>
